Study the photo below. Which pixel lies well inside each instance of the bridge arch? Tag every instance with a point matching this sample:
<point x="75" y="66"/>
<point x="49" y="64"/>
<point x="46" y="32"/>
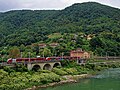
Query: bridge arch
<point x="43" y="65"/>
<point x="47" y="67"/>
<point x="36" y="67"/>
<point x="56" y="65"/>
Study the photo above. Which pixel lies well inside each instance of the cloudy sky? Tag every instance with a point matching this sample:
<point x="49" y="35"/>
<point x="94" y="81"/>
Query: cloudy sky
<point x="6" y="5"/>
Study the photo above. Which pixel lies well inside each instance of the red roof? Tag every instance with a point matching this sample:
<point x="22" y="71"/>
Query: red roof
<point x="54" y="44"/>
<point x="79" y="50"/>
<point x="42" y="45"/>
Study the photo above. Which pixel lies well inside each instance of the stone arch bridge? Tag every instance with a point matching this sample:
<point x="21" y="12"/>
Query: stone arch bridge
<point x="43" y="65"/>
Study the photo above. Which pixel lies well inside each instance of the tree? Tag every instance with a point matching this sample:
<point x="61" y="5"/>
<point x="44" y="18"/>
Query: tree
<point x="35" y="48"/>
<point x="96" y="43"/>
<point x="14" y="52"/>
<point x="22" y="48"/>
<point x="46" y="52"/>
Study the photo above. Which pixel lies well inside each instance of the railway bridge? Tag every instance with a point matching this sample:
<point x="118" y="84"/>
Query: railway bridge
<point x="43" y="65"/>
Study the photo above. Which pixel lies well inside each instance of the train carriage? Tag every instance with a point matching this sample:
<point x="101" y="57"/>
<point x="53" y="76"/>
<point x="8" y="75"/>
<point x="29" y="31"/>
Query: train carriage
<point x="40" y="59"/>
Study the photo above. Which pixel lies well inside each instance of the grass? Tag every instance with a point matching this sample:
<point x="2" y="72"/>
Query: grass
<point x="55" y="35"/>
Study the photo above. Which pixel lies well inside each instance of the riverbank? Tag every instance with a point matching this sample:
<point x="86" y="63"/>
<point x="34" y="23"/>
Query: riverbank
<point x="21" y="79"/>
<point x="65" y="79"/>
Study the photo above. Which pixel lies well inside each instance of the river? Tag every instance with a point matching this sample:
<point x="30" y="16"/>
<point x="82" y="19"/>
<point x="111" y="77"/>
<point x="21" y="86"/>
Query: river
<point x="106" y="80"/>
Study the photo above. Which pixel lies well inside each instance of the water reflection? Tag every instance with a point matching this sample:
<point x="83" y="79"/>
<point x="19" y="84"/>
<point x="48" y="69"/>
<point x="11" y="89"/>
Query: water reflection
<point x="111" y="73"/>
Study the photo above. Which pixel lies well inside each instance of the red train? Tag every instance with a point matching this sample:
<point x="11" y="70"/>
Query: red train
<point x="21" y="60"/>
<point x="40" y="59"/>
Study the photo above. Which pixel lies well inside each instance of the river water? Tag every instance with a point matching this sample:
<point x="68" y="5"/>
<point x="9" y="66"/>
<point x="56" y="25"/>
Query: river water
<point x="106" y="80"/>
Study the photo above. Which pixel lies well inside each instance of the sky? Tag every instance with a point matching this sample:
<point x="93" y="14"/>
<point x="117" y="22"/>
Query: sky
<point x="7" y="5"/>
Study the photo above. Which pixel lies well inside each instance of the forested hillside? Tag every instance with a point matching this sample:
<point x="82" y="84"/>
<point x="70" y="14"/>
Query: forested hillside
<point x="74" y="24"/>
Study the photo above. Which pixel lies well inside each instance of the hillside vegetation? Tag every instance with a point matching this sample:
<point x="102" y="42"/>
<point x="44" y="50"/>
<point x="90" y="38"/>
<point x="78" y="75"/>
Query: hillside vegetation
<point x="74" y="24"/>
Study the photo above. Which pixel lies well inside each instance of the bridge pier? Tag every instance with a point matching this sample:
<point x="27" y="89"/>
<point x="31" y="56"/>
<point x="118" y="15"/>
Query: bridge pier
<point x="29" y="66"/>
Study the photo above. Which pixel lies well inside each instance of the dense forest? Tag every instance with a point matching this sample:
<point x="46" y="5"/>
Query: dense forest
<point x="90" y="26"/>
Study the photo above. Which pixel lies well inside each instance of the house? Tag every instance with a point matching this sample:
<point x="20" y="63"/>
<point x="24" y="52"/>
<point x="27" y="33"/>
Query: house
<point x="89" y="37"/>
<point x="42" y="45"/>
<point x="53" y="45"/>
<point x="80" y="53"/>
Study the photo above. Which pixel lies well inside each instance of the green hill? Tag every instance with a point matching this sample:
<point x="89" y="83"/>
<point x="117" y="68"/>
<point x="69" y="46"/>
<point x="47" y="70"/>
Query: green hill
<point x="90" y="18"/>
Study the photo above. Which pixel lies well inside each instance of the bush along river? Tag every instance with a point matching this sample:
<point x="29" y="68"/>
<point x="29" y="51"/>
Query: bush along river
<point x="106" y="80"/>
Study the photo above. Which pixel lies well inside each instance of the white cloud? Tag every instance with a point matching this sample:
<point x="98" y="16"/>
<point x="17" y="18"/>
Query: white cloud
<point x="47" y="4"/>
<point x="114" y="3"/>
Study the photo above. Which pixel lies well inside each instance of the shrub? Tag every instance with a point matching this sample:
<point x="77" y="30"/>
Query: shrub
<point x="21" y="68"/>
<point x="72" y="71"/>
<point x="68" y="63"/>
<point x="3" y="74"/>
<point x="8" y="69"/>
<point x="59" y="71"/>
<point x="44" y="78"/>
<point x="90" y="66"/>
<point x="98" y="68"/>
<point x="21" y="80"/>
<point x="49" y="77"/>
<point x="35" y="78"/>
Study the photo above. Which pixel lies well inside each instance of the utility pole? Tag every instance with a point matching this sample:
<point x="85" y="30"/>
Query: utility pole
<point x="55" y="54"/>
<point x="29" y="57"/>
<point x="2" y="59"/>
<point x="106" y="56"/>
<point x="43" y="53"/>
<point x="21" y="55"/>
<point x="77" y="55"/>
<point x="92" y="55"/>
<point x="77" y="58"/>
<point x="54" y="51"/>
<point x="115" y="54"/>
<point x="62" y="55"/>
<point x="39" y="49"/>
<point x="101" y="54"/>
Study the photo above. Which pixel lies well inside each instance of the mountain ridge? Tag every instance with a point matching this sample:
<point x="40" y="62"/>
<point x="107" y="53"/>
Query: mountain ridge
<point x="28" y="26"/>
